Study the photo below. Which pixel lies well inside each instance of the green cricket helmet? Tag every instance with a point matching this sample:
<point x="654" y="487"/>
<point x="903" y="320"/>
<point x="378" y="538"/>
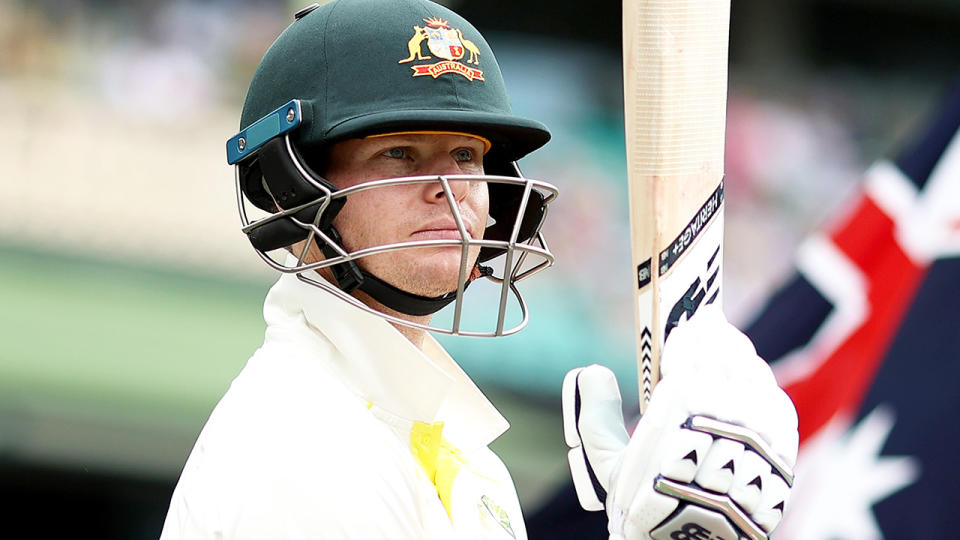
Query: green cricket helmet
<point x="356" y="68"/>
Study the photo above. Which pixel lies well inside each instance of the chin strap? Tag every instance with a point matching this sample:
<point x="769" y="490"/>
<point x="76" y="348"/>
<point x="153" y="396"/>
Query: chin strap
<point x="349" y="277"/>
<point x="402" y="301"/>
<point x="408" y="303"/>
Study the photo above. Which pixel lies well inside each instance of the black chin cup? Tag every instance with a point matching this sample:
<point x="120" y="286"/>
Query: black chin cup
<point x="411" y="304"/>
<point x="349" y="276"/>
<point x="402" y="301"/>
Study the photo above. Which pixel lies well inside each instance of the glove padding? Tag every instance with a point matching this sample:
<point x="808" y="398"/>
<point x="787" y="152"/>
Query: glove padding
<point x="710" y="458"/>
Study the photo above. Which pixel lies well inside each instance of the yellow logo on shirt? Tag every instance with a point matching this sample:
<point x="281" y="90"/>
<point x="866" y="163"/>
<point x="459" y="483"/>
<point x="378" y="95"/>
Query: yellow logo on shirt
<point x="440" y="460"/>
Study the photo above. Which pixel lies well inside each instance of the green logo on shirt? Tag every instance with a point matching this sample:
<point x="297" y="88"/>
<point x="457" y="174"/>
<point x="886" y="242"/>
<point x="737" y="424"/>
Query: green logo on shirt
<point x="498" y="514"/>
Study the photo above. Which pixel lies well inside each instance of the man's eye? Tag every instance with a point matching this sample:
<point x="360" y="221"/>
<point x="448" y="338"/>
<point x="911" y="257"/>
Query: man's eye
<point x="396" y="153"/>
<point x="464" y="154"/>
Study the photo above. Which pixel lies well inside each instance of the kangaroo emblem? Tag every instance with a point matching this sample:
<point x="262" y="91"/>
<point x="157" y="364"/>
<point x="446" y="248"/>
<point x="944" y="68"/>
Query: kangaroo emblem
<point x="414" y="45"/>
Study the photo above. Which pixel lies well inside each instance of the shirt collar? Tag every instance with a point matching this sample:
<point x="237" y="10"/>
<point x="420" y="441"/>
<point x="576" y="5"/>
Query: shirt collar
<point x="381" y="365"/>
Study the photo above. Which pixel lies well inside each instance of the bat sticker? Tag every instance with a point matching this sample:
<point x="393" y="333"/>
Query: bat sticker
<point x="692" y="230"/>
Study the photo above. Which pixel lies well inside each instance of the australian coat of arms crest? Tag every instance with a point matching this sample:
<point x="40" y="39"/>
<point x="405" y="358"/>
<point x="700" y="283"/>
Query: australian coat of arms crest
<point x="446" y="44"/>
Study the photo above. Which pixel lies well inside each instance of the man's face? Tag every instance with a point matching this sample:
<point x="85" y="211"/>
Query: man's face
<point x="411" y="212"/>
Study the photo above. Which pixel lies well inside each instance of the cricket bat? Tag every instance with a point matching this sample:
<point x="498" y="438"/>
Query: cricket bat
<point x="675" y="93"/>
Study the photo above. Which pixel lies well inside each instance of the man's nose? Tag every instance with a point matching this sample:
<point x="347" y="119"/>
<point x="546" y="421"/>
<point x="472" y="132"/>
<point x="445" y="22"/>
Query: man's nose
<point x="433" y="191"/>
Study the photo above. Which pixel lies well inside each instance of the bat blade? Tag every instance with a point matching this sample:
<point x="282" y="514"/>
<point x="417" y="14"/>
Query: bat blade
<point x="675" y="91"/>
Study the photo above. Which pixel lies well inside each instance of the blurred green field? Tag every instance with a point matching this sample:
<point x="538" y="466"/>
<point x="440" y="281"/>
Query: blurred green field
<point x="115" y="366"/>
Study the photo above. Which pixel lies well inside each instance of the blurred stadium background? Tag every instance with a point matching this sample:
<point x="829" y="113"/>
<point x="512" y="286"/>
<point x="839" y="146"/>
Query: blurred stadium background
<point x="130" y="298"/>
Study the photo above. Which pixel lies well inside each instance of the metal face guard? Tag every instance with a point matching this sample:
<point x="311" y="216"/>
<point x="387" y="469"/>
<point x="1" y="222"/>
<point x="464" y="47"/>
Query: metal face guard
<point x="519" y="238"/>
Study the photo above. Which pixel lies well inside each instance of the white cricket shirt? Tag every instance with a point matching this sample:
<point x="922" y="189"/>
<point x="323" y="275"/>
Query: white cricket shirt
<point x="339" y="427"/>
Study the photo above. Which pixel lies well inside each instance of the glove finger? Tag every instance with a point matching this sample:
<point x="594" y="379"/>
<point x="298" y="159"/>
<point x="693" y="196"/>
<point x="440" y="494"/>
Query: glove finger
<point x="770" y="414"/>
<point x="773" y="497"/>
<point x="569" y="406"/>
<point x="752" y="470"/>
<point x="719" y="466"/>
<point x="767" y="411"/>
<point x="599" y="420"/>
<point x="684" y="454"/>
<point x="590" y="494"/>
<point x="587" y="493"/>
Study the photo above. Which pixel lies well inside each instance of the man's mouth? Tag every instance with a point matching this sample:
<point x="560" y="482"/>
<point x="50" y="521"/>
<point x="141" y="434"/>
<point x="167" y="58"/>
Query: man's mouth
<point x="440" y="231"/>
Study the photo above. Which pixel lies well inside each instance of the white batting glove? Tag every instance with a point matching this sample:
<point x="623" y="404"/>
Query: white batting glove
<point x="712" y="456"/>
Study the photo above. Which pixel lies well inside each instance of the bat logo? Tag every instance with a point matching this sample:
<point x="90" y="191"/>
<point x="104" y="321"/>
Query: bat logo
<point x="693" y="298"/>
<point x="712" y="207"/>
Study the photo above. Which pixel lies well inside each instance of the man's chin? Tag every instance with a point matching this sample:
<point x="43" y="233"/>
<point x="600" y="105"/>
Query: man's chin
<point x="432" y="288"/>
<point x="432" y="280"/>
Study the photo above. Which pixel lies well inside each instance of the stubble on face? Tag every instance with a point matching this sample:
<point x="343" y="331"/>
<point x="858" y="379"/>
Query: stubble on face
<point x="410" y="212"/>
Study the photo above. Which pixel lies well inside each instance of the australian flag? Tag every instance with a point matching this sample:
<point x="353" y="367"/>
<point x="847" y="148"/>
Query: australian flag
<point x="865" y="337"/>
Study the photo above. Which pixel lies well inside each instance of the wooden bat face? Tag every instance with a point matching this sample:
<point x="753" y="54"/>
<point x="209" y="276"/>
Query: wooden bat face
<point x="675" y="88"/>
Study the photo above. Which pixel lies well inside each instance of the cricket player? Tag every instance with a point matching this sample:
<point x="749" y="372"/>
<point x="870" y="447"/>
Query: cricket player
<point x="378" y="150"/>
